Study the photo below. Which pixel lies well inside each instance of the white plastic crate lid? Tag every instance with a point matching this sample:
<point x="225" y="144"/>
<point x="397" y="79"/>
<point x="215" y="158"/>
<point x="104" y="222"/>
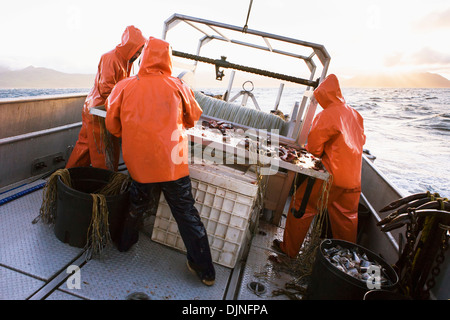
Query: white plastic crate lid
<point x="224" y="177"/>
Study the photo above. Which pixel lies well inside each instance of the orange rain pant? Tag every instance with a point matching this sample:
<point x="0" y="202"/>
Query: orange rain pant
<point x="342" y="211"/>
<point x="89" y="148"/>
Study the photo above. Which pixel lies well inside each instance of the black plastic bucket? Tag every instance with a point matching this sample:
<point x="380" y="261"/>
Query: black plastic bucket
<point x="74" y="205"/>
<point x="329" y="283"/>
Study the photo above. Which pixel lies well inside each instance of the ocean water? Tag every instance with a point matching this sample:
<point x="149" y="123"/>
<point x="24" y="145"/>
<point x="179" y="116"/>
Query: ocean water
<point x="23" y="93"/>
<point x="408" y="130"/>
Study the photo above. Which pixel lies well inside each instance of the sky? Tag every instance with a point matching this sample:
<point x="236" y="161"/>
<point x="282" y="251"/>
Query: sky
<point x="361" y="36"/>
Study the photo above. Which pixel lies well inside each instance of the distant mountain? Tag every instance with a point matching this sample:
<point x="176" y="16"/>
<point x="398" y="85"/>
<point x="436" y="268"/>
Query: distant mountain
<point x="405" y="80"/>
<point x="3" y="69"/>
<point x="32" y="77"/>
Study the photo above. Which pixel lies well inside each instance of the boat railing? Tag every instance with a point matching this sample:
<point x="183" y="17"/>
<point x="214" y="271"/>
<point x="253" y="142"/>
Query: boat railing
<point x="37" y="135"/>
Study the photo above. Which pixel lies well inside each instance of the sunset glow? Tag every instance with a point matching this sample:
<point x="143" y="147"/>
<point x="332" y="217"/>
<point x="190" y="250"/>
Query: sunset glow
<point x="361" y="36"/>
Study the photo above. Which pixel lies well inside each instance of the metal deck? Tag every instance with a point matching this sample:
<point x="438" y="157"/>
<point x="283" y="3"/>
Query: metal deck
<point x="34" y="264"/>
<point x="260" y="269"/>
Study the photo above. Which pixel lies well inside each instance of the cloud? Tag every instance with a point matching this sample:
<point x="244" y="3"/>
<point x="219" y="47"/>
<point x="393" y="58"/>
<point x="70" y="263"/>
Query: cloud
<point x="431" y="57"/>
<point x="423" y="57"/>
<point x="434" y="20"/>
<point x="393" y="59"/>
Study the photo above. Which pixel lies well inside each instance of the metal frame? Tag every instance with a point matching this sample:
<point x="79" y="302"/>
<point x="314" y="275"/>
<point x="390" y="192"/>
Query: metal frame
<point x="217" y="31"/>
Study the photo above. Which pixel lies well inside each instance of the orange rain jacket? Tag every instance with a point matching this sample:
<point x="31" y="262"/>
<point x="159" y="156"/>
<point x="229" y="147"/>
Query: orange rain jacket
<point x="150" y="112"/>
<point x="336" y="135"/>
<point x="113" y="66"/>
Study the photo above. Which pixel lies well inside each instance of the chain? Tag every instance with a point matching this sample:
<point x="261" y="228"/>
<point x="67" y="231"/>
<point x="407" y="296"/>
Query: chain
<point x="440" y="257"/>
<point x="225" y="64"/>
<point x="411" y="235"/>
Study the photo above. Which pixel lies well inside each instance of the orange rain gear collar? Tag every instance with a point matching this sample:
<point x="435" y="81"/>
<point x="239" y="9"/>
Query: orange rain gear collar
<point x="156" y="58"/>
<point x="329" y="93"/>
<point x="132" y="40"/>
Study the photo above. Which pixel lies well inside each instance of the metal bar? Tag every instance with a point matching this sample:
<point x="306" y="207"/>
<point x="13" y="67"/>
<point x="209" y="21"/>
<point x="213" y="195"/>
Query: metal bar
<point x="306" y="123"/>
<point x="255" y="46"/>
<point x="268" y="44"/>
<point x="280" y="92"/>
<point x="318" y="49"/>
<point x="255" y="102"/>
<point x="324" y="54"/>
<point x="57" y="280"/>
<point x="234" y="281"/>
<point x="294" y="118"/>
<point x="230" y="86"/>
<point x="225" y="64"/>
<point x="301" y="133"/>
<point x="197" y="28"/>
<point x="219" y="33"/>
<point x="36" y="134"/>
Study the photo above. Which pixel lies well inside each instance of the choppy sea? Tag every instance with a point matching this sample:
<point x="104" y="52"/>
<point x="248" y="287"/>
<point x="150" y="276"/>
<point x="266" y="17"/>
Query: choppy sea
<point x="408" y="130"/>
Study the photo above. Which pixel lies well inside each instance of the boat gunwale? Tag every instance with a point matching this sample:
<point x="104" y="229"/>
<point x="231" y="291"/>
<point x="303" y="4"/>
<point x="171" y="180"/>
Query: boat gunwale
<point x="41" y="97"/>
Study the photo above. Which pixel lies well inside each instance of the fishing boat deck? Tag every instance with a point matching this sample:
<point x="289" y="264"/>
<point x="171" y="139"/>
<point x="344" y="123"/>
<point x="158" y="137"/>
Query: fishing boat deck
<point x="35" y="265"/>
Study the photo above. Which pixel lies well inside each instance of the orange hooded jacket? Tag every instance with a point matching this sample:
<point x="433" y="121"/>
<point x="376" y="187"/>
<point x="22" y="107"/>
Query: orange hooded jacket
<point x="150" y="112"/>
<point x="113" y="67"/>
<point x="337" y="135"/>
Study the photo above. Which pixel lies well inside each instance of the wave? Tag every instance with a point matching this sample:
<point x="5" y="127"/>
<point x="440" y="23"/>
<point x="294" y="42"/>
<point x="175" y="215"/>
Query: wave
<point x="23" y="93"/>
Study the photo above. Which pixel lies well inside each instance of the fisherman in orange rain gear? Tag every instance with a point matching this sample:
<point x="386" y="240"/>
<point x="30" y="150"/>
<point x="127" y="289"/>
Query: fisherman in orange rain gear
<point x="337" y="136"/>
<point x="150" y="112"/>
<point x="114" y="66"/>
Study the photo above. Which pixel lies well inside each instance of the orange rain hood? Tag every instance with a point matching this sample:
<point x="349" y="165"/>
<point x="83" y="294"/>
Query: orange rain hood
<point x="156" y="58"/>
<point x="132" y="40"/>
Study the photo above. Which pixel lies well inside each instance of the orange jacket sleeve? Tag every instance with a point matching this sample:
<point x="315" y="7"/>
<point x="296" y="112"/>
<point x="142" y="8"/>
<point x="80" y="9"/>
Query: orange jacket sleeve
<point x="113" y="107"/>
<point x="322" y="130"/>
<point x="191" y="110"/>
<point x="110" y="73"/>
